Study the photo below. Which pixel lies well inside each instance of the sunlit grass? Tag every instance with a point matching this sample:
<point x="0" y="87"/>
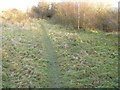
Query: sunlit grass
<point x="85" y="58"/>
<point x="23" y="62"/>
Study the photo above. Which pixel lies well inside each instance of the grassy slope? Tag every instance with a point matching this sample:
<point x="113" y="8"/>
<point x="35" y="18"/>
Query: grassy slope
<point x="23" y="61"/>
<point x="85" y="59"/>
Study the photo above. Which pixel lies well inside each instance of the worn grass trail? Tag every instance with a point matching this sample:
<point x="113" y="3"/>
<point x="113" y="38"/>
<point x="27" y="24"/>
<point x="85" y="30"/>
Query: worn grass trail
<point x="51" y="56"/>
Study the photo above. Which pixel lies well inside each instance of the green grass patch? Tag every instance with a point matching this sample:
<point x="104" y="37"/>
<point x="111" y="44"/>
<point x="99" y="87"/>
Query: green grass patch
<point x="84" y="58"/>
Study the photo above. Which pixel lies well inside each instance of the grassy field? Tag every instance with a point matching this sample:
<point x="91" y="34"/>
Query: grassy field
<point x="40" y="54"/>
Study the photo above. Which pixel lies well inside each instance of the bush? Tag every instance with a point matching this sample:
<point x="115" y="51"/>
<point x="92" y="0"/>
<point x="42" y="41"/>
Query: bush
<point x="13" y="15"/>
<point x="41" y="11"/>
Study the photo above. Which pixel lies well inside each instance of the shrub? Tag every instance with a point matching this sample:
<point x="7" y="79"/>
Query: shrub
<point x="13" y="15"/>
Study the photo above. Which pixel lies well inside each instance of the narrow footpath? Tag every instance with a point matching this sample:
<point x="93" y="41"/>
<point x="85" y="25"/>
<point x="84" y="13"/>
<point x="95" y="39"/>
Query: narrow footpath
<point x="51" y="56"/>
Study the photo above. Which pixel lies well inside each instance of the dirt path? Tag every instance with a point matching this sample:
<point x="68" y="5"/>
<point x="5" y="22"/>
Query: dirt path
<point x="51" y="56"/>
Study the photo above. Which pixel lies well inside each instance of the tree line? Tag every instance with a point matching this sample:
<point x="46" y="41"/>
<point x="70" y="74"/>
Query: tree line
<point x="101" y="16"/>
<point x="83" y="15"/>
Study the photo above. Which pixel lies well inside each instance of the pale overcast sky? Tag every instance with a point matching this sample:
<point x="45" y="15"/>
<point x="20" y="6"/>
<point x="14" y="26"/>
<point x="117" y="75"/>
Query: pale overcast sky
<point x="24" y="4"/>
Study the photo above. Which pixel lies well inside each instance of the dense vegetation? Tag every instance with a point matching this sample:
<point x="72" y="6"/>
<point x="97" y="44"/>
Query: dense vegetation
<point x="85" y="15"/>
